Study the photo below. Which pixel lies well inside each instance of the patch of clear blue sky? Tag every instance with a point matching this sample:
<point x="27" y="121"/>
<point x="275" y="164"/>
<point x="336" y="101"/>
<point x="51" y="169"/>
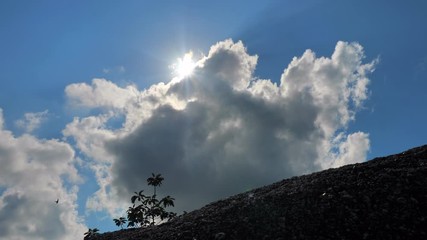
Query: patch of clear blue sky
<point x="46" y="45"/>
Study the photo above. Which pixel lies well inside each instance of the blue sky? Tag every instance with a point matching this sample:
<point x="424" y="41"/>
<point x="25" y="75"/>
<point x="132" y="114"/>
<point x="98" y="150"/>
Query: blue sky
<point x="105" y="136"/>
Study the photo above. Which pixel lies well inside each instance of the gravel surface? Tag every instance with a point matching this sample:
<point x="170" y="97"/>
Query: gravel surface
<point x="384" y="198"/>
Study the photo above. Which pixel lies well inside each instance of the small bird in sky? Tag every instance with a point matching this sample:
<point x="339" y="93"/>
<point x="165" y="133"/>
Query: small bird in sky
<point x="57" y="201"/>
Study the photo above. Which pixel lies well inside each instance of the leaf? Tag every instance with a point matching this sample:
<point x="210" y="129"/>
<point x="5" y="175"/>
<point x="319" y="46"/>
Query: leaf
<point x="155" y="180"/>
<point x="117" y="222"/>
<point x="131" y="224"/>
<point x="168" y="201"/>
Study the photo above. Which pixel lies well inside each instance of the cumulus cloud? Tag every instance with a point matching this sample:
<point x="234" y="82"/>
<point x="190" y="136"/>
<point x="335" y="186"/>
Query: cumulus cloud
<point x="351" y="149"/>
<point x="100" y="94"/>
<point x="32" y="121"/>
<point x="221" y="131"/>
<point x="33" y="174"/>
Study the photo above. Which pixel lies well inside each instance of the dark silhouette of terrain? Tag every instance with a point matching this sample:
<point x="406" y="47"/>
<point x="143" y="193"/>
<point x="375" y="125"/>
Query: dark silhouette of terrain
<point x="384" y="198"/>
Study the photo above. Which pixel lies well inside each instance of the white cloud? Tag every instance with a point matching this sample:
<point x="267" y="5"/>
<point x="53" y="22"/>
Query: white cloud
<point x="230" y="62"/>
<point x="117" y="69"/>
<point x="101" y="94"/>
<point x="32" y="121"/>
<point x="34" y="173"/>
<point x="352" y="149"/>
<point x="90" y="134"/>
<point x="221" y="131"/>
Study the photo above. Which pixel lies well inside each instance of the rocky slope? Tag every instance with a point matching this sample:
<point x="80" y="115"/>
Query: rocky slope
<point x="385" y="198"/>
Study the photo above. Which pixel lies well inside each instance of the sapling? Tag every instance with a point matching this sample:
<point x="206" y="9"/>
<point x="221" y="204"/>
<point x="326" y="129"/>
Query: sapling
<point x="91" y="233"/>
<point x="120" y="221"/>
<point x="150" y="208"/>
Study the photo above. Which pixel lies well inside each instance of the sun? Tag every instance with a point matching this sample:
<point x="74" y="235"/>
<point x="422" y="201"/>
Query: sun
<point x="184" y="66"/>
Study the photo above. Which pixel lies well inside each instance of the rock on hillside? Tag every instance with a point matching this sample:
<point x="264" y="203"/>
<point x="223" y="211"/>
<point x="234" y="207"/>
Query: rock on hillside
<point x="385" y="198"/>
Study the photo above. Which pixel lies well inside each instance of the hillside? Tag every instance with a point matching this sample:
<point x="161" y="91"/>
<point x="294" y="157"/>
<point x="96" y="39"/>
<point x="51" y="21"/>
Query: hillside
<point x="384" y="198"/>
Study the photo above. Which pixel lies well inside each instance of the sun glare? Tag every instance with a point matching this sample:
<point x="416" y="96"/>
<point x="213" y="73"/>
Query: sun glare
<point x="184" y="66"/>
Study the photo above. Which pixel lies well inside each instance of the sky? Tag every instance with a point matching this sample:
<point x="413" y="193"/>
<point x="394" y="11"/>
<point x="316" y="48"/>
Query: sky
<point x="93" y="99"/>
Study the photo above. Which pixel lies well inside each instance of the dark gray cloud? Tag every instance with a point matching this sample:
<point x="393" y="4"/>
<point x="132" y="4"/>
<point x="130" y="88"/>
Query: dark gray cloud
<point x="221" y="131"/>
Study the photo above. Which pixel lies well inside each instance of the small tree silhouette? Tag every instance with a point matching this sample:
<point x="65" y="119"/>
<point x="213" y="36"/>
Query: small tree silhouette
<point x="150" y="208"/>
<point x="91" y="232"/>
<point x="120" y="221"/>
<point x="155" y="180"/>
